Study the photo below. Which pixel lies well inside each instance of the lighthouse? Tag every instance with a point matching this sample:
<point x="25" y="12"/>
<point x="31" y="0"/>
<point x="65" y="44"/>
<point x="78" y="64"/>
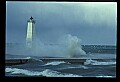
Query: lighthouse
<point x="30" y="32"/>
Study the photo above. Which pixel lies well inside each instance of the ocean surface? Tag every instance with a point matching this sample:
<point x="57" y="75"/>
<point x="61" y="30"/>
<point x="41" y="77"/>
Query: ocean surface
<point x="90" y="68"/>
<point x="37" y="68"/>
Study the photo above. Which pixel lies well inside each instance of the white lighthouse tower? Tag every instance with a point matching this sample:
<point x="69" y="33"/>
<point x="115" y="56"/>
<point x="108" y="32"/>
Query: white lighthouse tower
<point x="30" y="32"/>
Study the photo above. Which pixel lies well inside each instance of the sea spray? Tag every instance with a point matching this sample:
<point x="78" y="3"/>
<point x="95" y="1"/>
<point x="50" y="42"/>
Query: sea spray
<point x="68" y="46"/>
<point x="73" y="46"/>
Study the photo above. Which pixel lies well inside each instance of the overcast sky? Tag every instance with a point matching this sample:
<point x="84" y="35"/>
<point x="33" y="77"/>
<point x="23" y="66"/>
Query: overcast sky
<point x="93" y="23"/>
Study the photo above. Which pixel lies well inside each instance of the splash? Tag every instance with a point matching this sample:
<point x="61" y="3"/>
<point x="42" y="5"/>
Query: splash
<point x="68" y="46"/>
<point x="73" y="46"/>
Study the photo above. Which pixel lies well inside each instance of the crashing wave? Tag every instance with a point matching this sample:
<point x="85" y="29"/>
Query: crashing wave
<point x="94" y="62"/>
<point x="55" y="63"/>
<point x="47" y="73"/>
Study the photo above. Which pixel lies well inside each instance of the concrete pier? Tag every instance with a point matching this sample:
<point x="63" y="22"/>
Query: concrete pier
<point x="10" y="62"/>
<point x="69" y="60"/>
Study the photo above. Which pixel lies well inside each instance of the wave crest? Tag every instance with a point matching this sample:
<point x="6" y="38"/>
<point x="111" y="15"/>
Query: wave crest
<point x="47" y="73"/>
<point x="55" y="63"/>
<point x="94" y="62"/>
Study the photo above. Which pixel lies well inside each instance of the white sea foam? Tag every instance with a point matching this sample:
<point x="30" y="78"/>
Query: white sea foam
<point x="51" y="73"/>
<point x="84" y="67"/>
<point x="27" y="58"/>
<point x="55" y="63"/>
<point x="106" y="76"/>
<point x="47" y="73"/>
<point x="94" y="62"/>
<point x="79" y="67"/>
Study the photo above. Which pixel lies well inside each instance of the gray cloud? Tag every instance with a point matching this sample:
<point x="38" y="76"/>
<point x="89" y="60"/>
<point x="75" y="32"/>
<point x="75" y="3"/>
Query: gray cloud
<point x="90" y="22"/>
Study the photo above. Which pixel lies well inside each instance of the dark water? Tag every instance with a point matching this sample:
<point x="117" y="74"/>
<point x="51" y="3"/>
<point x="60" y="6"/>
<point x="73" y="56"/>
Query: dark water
<point x="91" y="68"/>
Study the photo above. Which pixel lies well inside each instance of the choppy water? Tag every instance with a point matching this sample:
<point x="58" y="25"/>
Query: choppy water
<point x="91" y="68"/>
<point x="36" y="67"/>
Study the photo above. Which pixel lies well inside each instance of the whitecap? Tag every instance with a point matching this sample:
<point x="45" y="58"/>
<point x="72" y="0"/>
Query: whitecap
<point x="46" y="72"/>
<point x="106" y="76"/>
<point x="55" y="63"/>
<point x="94" y="62"/>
